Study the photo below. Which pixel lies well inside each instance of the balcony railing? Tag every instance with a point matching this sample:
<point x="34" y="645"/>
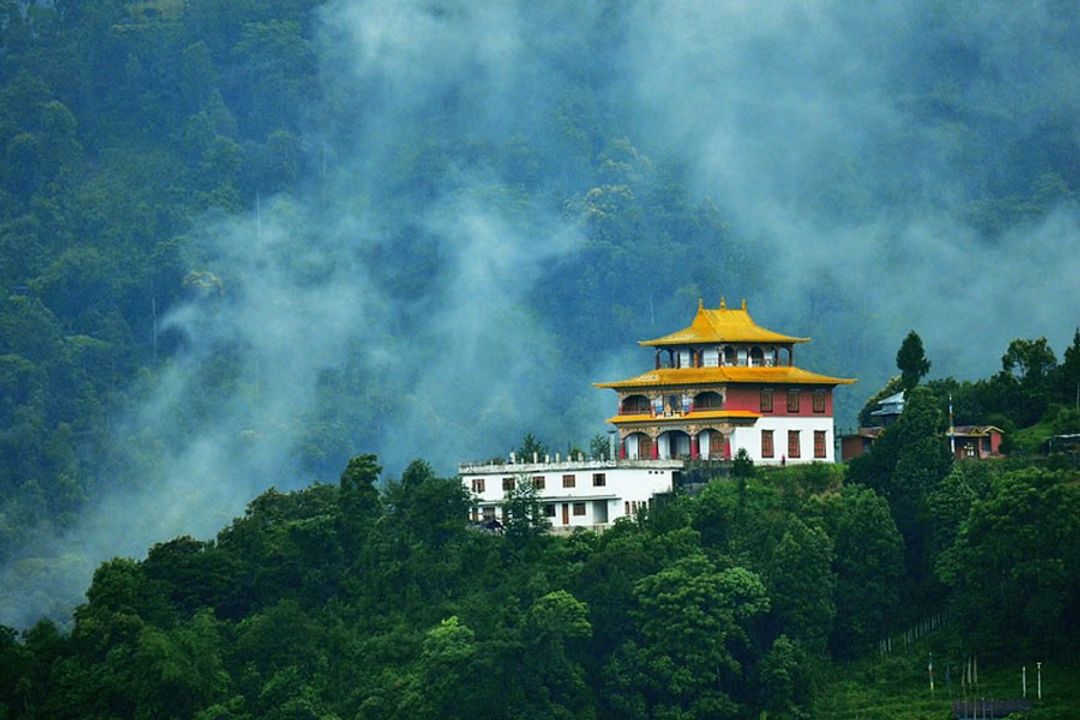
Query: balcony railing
<point x="670" y="412"/>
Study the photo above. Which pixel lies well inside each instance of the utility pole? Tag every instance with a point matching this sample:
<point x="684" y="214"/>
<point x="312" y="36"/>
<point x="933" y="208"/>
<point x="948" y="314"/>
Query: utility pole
<point x="952" y="429"/>
<point x="1038" y="675"/>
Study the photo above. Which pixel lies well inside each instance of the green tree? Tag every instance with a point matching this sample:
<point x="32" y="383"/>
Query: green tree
<point x="531" y="447"/>
<point x="526" y="524"/>
<point x="868" y="566"/>
<point x="1070" y="373"/>
<point x="358" y="499"/>
<point x="440" y="686"/>
<point x="801" y="585"/>
<point x="785" y="680"/>
<point x="1030" y="361"/>
<point x="1014" y="566"/>
<point x="556" y="628"/>
<point x="692" y="620"/>
<point x="911" y="361"/>
<point x="1026" y="379"/>
<point x="949" y="504"/>
<point x="742" y="467"/>
<point x="600" y="447"/>
<point x="180" y="671"/>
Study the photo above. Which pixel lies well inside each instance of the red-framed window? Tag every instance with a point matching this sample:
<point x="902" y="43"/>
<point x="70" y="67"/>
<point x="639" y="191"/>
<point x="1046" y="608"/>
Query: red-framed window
<point x="819" y="401"/>
<point x="767" y="450"/>
<point x="766" y="400"/>
<point x="793" y="401"/>
<point x="569" y="481"/>
<point x="793" y="443"/>
<point x="819" y="443"/>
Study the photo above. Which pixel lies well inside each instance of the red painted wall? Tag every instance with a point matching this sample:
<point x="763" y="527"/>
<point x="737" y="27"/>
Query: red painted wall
<point x="748" y="397"/>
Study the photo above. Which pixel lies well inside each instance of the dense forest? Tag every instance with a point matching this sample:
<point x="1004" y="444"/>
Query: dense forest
<point x="344" y="601"/>
<point x="242" y="241"/>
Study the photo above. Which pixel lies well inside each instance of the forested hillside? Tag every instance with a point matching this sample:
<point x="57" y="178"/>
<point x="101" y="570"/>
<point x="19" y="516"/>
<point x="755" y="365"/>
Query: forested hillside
<point x="242" y="240"/>
<point x="347" y="602"/>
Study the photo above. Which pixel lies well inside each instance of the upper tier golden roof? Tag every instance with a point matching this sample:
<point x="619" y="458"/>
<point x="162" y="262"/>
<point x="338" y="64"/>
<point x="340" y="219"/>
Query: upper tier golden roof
<point x="723" y="326"/>
<point x="784" y="374"/>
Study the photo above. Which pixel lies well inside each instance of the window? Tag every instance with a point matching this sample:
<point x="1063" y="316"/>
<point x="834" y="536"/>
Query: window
<point x="538" y="482"/>
<point x="767" y="444"/>
<point x="579" y="508"/>
<point x="766" y="400"/>
<point x="626" y="507"/>
<point x="819" y="443"/>
<point x="708" y="401"/>
<point x="599" y="480"/>
<point x="568" y="481"/>
<point x="489" y="513"/>
<point x="793" y="443"/>
<point x="478" y="485"/>
<point x="549" y="510"/>
<point x="793" y="401"/>
<point x="508" y="484"/>
<point x="819" y="401"/>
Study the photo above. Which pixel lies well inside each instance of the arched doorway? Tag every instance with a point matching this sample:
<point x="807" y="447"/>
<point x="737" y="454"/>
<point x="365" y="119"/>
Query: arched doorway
<point x="673" y="444"/>
<point x="639" y="446"/>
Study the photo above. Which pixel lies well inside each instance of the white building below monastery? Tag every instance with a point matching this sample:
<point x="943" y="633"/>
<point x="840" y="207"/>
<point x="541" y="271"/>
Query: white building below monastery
<point x="590" y="494"/>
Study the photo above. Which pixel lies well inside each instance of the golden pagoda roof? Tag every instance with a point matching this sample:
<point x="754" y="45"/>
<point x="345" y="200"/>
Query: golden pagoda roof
<point x="784" y="374"/>
<point x="722" y="325"/>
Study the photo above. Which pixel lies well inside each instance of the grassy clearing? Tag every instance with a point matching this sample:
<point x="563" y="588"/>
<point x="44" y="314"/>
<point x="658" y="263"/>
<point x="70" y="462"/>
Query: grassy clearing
<point x="897" y="688"/>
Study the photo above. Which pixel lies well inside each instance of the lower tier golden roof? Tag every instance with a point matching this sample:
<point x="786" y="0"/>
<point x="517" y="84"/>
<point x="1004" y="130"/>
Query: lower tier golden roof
<point x="693" y="417"/>
<point x="668" y="377"/>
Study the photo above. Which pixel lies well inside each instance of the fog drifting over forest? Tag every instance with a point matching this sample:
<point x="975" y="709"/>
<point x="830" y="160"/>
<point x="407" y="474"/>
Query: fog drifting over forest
<point x="411" y="302"/>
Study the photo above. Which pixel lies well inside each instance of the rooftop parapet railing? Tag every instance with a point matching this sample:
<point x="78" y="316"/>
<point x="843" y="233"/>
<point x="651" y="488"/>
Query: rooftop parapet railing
<point x="547" y="463"/>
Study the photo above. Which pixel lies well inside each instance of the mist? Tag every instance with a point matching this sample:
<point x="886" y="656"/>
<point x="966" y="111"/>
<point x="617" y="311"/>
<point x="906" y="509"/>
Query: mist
<point x="464" y="255"/>
<point x="841" y="139"/>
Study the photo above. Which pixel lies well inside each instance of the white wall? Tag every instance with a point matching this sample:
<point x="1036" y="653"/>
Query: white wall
<point x="625" y="481"/>
<point x="750" y="439"/>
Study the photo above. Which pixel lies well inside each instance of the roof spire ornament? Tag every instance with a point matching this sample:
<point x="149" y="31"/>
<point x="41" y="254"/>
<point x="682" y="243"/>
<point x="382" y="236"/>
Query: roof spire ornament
<point x="723" y="303"/>
<point x="744" y="304"/>
<point x="700" y="304"/>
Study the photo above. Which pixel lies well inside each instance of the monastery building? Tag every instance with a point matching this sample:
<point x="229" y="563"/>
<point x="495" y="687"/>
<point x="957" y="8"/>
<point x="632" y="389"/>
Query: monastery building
<point x="720" y="385"/>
